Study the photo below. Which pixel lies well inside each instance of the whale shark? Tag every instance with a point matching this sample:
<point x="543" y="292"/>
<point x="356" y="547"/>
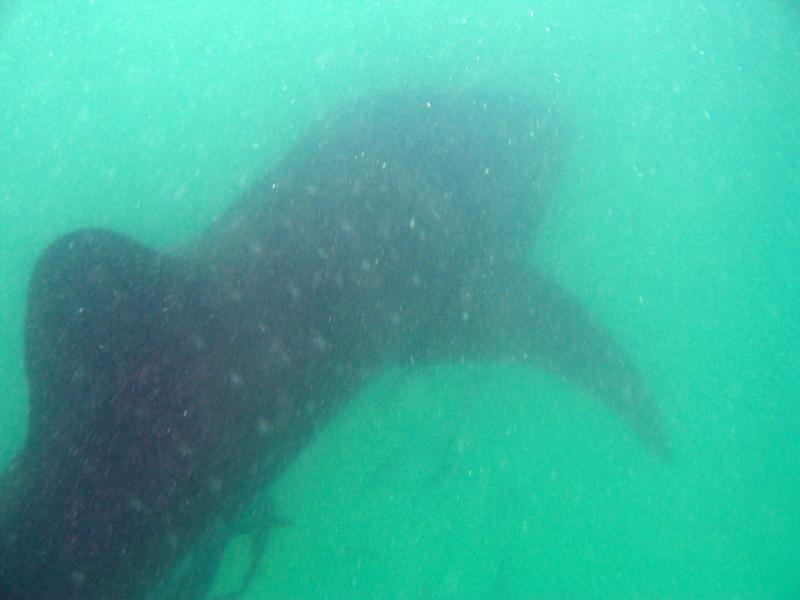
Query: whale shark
<point x="169" y="388"/>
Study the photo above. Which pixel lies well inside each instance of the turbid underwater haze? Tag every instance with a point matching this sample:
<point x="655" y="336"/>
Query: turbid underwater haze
<point x="675" y="218"/>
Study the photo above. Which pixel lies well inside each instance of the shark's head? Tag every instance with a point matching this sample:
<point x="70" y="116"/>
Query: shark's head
<point x="496" y="152"/>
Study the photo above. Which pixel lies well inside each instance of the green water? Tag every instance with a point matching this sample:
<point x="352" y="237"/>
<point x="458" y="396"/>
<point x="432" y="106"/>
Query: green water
<point x="677" y="221"/>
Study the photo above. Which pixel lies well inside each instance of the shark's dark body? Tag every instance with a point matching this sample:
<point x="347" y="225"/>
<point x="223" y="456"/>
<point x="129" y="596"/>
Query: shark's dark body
<point x="166" y="389"/>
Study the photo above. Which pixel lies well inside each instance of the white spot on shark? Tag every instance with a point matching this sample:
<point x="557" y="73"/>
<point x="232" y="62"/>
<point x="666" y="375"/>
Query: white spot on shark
<point x="320" y="343"/>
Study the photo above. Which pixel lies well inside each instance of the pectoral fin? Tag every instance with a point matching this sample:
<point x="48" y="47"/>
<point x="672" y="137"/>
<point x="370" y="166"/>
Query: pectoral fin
<point x="519" y="315"/>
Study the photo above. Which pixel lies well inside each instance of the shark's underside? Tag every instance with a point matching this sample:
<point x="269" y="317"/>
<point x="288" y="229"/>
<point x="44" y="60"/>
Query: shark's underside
<point x="167" y="388"/>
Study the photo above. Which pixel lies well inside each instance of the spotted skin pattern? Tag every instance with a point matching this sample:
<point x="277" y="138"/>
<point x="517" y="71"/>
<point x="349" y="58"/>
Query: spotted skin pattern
<point x="167" y="389"/>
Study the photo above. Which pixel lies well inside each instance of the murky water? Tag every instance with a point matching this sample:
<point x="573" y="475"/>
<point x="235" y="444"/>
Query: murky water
<point x="676" y="220"/>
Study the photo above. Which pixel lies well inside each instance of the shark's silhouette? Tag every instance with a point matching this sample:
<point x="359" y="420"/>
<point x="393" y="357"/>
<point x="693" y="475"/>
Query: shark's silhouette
<point x="165" y="389"/>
